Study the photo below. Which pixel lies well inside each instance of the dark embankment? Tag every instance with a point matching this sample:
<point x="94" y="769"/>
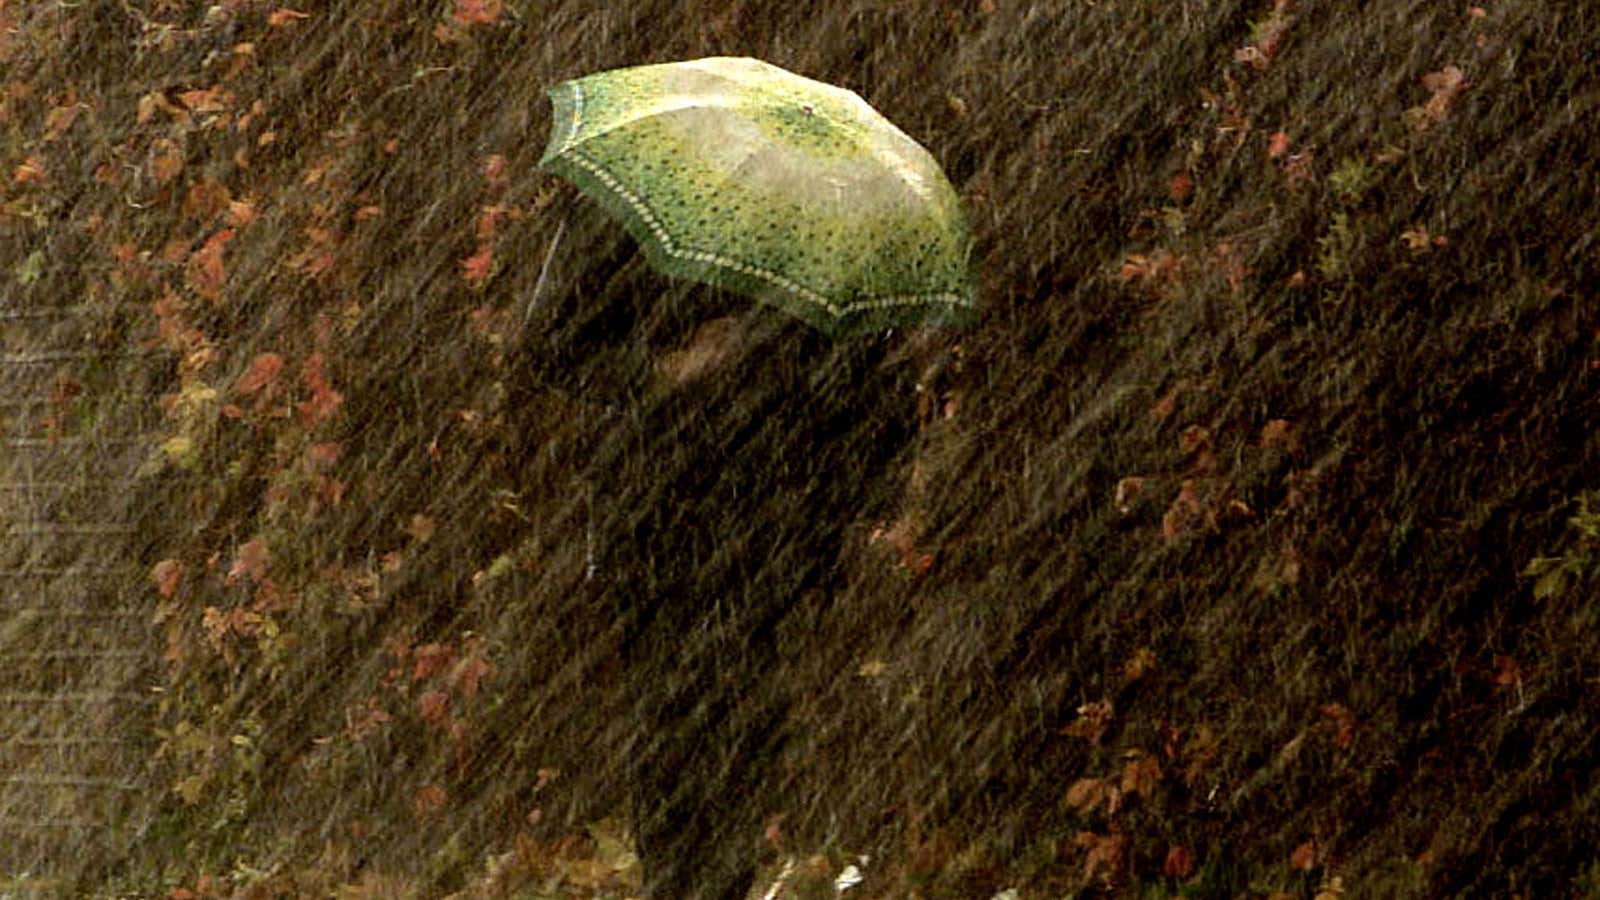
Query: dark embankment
<point x="1248" y="545"/>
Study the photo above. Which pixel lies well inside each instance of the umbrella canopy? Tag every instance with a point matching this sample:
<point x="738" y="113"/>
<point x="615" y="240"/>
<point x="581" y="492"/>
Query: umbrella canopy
<point x="734" y="172"/>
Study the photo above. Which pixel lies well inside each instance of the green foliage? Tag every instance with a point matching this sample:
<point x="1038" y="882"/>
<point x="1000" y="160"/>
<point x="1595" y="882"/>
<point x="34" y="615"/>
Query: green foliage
<point x="1351" y="179"/>
<point x="1557" y="575"/>
<point x="1335" y="249"/>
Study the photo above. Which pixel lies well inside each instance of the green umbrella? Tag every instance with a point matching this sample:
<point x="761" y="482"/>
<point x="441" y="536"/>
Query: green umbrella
<point x="734" y="172"/>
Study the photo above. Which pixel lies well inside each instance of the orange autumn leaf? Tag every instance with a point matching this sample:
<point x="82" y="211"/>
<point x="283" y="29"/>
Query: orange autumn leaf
<point x="468" y="674"/>
<point x="1276" y="433"/>
<point x="495" y="173"/>
<point x="1444" y="87"/>
<point x="251" y="560"/>
<point x="429" y="800"/>
<point x="1183" y="514"/>
<point x="263" y="371"/>
<point x="323" y="455"/>
<point x="1138" y="664"/>
<point x="212" y="99"/>
<point x="1194" y="438"/>
<point x="1180" y="187"/>
<point x="1141" y="774"/>
<point x="167" y="574"/>
<point x="477" y="12"/>
<point x="241" y="212"/>
<point x="430" y="660"/>
<point x="1277" y="145"/>
<point x="488" y="220"/>
<point x="1128" y="490"/>
<point x="1105" y="855"/>
<point x="475" y="268"/>
<point x="1304" y="857"/>
<point x="1179" y="862"/>
<point x="421" y="528"/>
<point x="205" y="269"/>
<point x="1092" y="722"/>
<point x="166" y="159"/>
<point x="433" y="705"/>
<point x="1344" y="724"/>
<point x="1165" y="406"/>
<point x="1086" y="793"/>
<point x="29" y="171"/>
<point x="324" y="401"/>
<point x="1507" y="671"/>
<point x="284" y="16"/>
<point x="61" y="116"/>
<point x="206" y="198"/>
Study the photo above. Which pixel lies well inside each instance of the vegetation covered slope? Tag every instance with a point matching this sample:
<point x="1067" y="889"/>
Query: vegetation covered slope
<point x="1248" y="545"/>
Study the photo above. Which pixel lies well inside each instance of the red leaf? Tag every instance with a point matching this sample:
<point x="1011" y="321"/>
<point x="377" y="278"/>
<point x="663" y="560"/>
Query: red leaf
<point x="323" y="455"/>
<point x="433" y="705"/>
<point x="1304" y="857"/>
<point x="477" y="12"/>
<point x="324" y="401"/>
<point x="431" y="659"/>
<point x="429" y="800"/>
<point x="1141" y="774"/>
<point x="205" y="270"/>
<point x="1085" y="794"/>
<point x="488" y="220"/>
<point x="475" y="268"/>
<point x="263" y="371"/>
<point x="1278" y="145"/>
<point x="166" y="159"/>
<point x="1344" y="722"/>
<point x="1184" y="513"/>
<point x="1105" y="855"/>
<point x="1180" y="187"/>
<point x="1179" y="863"/>
<point x="468" y="674"/>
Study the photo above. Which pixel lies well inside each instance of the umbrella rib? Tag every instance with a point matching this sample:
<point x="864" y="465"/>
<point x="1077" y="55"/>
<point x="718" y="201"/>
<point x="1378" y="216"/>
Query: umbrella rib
<point x="668" y="246"/>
